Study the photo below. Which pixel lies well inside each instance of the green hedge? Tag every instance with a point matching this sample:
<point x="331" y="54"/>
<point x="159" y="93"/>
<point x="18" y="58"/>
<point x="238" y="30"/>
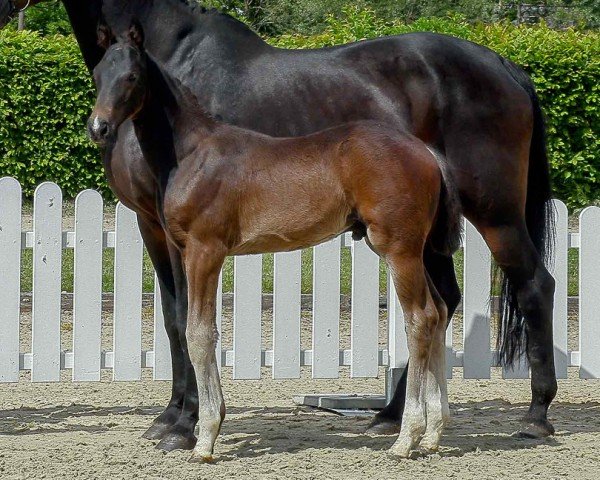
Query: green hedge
<point x="46" y="95"/>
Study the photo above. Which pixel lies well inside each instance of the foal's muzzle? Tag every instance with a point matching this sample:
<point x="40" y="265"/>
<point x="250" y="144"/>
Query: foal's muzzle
<point x="99" y="130"/>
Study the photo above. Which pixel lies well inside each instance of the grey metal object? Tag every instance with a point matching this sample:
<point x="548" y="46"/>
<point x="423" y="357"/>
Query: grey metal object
<point x="340" y="403"/>
<point x="392" y="377"/>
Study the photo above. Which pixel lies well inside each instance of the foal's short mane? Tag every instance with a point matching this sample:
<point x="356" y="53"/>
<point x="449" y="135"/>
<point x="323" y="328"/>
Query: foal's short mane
<point x="174" y="92"/>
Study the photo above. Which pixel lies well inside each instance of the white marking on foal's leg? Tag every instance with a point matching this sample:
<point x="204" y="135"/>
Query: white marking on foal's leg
<point x="412" y="430"/>
<point x="210" y="397"/>
<point x="414" y="418"/>
<point x="421" y="318"/>
<point x="438" y="412"/>
<point x="435" y="419"/>
<point x="202" y="272"/>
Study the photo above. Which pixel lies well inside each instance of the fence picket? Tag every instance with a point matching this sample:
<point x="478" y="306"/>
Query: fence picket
<point x="397" y="341"/>
<point x="449" y="350"/>
<point x="47" y="256"/>
<point x="219" y="320"/>
<point x="286" y="314"/>
<point x="10" y="280"/>
<point x="247" y="312"/>
<point x="476" y="315"/>
<point x="364" y="357"/>
<point x="559" y="269"/>
<point x="589" y="286"/>
<point x="87" y="287"/>
<point x="127" y="328"/>
<point x="161" y="365"/>
<point x="365" y="311"/>
<point x="326" y="309"/>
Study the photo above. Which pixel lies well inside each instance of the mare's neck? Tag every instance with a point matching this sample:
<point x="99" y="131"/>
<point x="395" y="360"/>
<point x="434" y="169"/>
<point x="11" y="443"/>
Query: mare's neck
<point x="193" y="45"/>
<point x="171" y="123"/>
<point x="84" y="17"/>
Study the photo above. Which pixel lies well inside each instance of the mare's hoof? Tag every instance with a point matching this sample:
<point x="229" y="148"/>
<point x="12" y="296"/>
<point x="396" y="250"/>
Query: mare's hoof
<point x="381" y="426"/>
<point x="157" y="431"/>
<point x="176" y="441"/>
<point x="535" y="429"/>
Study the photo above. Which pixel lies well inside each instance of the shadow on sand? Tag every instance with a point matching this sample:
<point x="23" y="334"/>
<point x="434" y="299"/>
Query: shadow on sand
<point x="250" y="432"/>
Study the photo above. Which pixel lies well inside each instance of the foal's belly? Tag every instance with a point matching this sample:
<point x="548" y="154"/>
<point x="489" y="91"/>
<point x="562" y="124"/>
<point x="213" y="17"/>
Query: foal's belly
<point x="279" y="221"/>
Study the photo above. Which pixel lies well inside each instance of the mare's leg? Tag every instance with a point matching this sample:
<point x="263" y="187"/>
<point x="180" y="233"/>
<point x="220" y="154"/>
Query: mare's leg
<point x="438" y="412"/>
<point x="421" y="318"/>
<point x="440" y="269"/>
<point x="515" y="253"/>
<point x="181" y="434"/>
<point x="156" y="244"/>
<point x="203" y="263"/>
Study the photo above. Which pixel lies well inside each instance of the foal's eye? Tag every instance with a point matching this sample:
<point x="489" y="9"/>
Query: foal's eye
<point x="132" y="77"/>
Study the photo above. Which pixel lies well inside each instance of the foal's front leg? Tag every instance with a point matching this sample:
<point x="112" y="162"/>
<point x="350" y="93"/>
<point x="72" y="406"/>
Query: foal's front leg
<point x="203" y="263"/>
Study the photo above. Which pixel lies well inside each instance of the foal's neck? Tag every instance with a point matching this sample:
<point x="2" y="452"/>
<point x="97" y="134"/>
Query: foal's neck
<point x="171" y="122"/>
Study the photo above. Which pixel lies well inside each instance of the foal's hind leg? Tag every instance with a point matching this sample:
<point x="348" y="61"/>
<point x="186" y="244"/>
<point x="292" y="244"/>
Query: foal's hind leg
<point x="438" y="413"/>
<point x="422" y="319"/>
<point x="440" y="269"/>
<point x="534" y="286"/>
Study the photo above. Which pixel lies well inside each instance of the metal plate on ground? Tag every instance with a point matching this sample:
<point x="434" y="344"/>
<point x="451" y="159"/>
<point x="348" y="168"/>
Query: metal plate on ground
<point x="343" y="404"/>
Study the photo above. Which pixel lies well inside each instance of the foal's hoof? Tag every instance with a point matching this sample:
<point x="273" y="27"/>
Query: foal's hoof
<point x="535" y="429"/>
<point x="399" y="452"/>
<point x="176" y="441"/>
<point x="157" y="431"/>
<point x="383" y="427"/>
<point x="201" y="458"/>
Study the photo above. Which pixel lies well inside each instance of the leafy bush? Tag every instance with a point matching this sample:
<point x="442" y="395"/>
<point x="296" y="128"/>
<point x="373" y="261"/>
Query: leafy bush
<point x="46" y="96"/>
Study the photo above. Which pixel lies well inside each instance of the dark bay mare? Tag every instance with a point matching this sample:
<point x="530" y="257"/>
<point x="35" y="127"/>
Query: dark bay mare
<point x="477" y="110"/>
<point x="224" y="190"/>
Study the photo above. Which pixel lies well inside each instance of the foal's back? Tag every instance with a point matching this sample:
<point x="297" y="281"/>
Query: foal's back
<point x="266" y="194"/>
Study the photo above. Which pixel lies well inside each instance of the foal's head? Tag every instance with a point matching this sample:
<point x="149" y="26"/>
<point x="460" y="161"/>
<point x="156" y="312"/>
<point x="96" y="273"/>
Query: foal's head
<point x="120" y="79"/>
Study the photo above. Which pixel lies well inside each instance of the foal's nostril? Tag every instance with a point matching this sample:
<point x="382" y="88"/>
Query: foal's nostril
<point x="103" y="129"/>
<point x="98" y="129"/>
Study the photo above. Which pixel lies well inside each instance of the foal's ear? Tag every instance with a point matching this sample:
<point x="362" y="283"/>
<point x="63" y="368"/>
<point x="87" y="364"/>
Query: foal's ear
<point x="136" y="34"/>
<point x="103" y="36"/>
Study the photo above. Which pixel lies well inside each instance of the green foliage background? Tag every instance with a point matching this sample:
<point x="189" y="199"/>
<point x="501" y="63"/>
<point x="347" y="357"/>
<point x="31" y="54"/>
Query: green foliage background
<point x="46" y="94"/>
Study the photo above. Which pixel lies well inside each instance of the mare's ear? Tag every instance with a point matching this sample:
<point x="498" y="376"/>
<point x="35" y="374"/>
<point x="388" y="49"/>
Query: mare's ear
<point x="136" y="34"/>
<point x="103" y="35"/>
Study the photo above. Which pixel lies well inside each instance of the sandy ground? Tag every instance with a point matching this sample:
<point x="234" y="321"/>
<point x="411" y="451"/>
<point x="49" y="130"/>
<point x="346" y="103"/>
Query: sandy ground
<point x="68" y="430"/>
<point x="93" y="431"/>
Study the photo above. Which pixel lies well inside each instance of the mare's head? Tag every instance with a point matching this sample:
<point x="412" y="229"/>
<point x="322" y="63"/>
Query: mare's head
<point x="120" y="79"/>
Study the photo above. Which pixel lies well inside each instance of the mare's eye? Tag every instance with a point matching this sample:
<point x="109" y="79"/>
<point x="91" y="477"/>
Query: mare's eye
<point x="132" y="77"/>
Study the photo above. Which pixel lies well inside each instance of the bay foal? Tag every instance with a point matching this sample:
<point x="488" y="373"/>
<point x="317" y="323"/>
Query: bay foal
<point x="224" y="190"/>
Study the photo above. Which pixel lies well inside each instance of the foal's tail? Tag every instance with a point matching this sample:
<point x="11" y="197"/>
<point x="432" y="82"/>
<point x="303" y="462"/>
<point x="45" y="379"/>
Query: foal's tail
<point x="539" y="216"/>
<point x="447" y="229"/>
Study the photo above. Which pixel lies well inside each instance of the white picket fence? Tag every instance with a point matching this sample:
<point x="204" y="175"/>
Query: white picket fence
<point x="86" y="358"/>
